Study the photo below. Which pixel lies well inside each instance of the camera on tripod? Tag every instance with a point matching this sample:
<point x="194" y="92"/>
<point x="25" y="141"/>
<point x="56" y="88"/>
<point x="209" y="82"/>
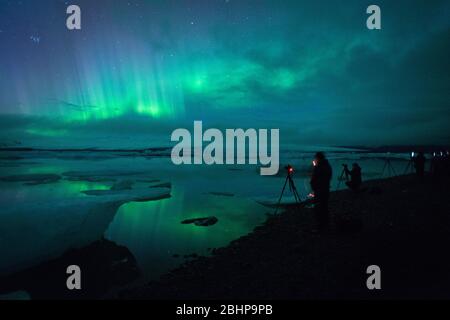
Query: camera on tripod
<point x="289" y="169"/>
<point x="344" y="175"/>
<point x="290" y="181"/>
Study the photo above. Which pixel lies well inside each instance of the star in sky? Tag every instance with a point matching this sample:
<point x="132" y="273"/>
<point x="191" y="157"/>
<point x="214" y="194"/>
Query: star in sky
<point x="35" y="39"/>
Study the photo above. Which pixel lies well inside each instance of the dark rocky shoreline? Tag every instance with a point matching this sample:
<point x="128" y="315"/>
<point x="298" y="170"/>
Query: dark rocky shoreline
<point x="400" y="224"/>
<point x="104" y="264"/>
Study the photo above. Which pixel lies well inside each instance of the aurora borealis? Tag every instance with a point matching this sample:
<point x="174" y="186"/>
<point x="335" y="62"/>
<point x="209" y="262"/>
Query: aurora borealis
<point x="140" y="68"/>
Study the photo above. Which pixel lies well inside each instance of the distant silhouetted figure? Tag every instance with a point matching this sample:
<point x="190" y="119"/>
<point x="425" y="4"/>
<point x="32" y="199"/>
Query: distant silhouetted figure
<point x="355" y="177"/>
<point x="320" y="184"/>
<point x="440" y="166"/>
<point x="419" y="164"/>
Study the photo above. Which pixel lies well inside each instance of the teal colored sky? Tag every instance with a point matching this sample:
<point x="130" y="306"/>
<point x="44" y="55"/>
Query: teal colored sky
<point x="139" y="69"/>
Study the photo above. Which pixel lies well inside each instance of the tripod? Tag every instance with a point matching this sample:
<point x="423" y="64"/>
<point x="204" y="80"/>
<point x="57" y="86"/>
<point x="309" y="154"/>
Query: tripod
<point x="390" y="169"/>
<point x="341" y="177"/>
<point x="291" y="187"/>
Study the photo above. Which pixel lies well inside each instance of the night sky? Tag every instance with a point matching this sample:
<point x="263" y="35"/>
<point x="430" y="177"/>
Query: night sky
<point x="139" y="69"/>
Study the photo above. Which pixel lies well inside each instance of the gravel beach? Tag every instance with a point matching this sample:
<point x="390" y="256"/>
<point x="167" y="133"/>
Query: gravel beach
<point x="400" y="224"/>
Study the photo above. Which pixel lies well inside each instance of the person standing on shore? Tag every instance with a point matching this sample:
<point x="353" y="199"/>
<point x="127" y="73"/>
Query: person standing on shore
<point x="355" y="176"/>
<point x="320" y="184"/>
<point x="419" y="164"/>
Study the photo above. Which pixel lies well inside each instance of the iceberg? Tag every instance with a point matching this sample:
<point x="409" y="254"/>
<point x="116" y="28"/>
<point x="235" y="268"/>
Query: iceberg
<point x="32" y="178"/>
<point x="31" y="232"/>
<point x="105" y="175"/>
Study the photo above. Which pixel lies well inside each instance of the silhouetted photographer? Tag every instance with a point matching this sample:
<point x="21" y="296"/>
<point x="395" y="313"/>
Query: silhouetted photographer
<point x="419" y="164"/>
<point x="320" y="184"/>
<point x="355" y="180"/>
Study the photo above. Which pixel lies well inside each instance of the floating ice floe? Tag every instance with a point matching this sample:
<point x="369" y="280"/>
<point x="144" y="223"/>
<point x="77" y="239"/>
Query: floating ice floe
<point x="31" y="232"/>
<point x="223" y="194"/>
<point x="105" y="175"/>
<point x="162" y="185"/>
<point x="138" y="193"/>
<point x="32" y="178"/>
<point x="123" y="185"/>
<point x="201" y="222"/>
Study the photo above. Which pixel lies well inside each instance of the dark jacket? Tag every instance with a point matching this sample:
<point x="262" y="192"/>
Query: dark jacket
<point x="321" y="176"/>
<point x="419" y="162"/>
<point x="355" y="175"/>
